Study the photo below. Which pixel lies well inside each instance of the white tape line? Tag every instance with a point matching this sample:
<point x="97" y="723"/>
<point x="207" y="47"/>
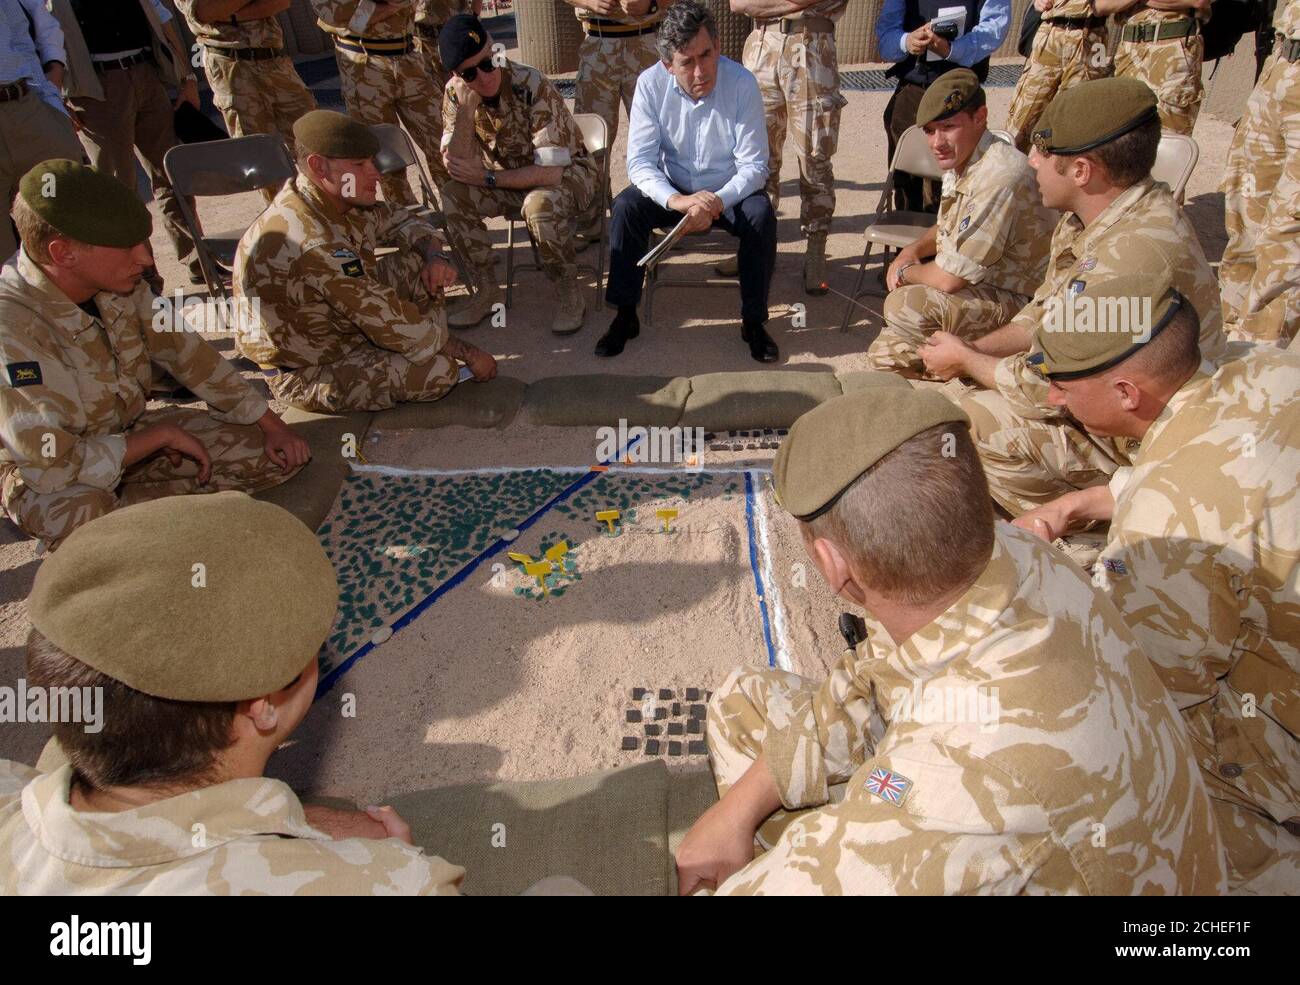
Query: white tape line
<point x="769" y="578"/>
<point x="563" y="469"/>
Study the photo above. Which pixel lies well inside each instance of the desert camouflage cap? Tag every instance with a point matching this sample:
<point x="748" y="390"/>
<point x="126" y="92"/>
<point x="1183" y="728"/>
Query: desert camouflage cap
<point x="1094" y="113"/>
<point x="950" y="93"/>
<point x="86" y="204"/>
<point x="1102" y="322"/>
<point x="833" y="444"/>
<point x="216" y="597"/>
<point x="330" y="134"/>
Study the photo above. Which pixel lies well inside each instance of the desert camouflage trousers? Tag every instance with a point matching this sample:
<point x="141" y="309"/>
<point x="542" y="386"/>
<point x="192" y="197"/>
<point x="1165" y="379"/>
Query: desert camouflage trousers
<point x="265" y="96"/>
<point x="607" y="73"/>
<point x="1173" y="71"/>
<point x="438" y="77"/>
<point x="781" y="714"/>
<point x="800" y="81"/>
<point x="395" y="89"/>
<point x="1060" y="58"/>
<point x="551" y="215"/>
<point x="371" y="378"/>
<point x="238" y="457"/>
<point x="1030" y="461"/>
<point x="1259" y="277"/>
<point x="913" y="312"/>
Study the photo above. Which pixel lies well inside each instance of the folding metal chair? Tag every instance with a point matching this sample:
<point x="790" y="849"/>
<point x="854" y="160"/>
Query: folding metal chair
<point x="217" y="168"/>
<point x="595" y="137"/>
<point x="890" y="229"/>
<point x="712" y="242"/>
<point x="1176" y="158"/>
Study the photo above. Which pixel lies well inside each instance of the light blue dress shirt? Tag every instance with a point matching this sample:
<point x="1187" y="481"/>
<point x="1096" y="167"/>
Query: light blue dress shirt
<point x="969" y="49"/>
<point x="27" y="45"/>
<point x="718" y="144"/>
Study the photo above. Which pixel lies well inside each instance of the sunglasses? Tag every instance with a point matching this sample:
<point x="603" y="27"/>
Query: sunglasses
<point x="471" y="73"/>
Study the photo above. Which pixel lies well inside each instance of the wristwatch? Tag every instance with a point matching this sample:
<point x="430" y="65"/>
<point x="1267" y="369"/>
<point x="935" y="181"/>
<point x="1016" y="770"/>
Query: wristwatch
<point x="491" y="179"/>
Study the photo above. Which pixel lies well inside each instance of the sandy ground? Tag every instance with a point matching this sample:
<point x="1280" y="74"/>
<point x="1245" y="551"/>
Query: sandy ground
<point x="486" y="686"/>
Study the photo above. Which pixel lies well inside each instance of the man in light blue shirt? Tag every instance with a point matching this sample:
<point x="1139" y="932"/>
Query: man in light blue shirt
<point x="34" y="125"/>
<point x="926" y="39"/>
<point x="697" y="147"/>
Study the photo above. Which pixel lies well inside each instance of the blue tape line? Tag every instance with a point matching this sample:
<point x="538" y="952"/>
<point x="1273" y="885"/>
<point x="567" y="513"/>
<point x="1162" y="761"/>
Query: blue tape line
<point x="332" y="677"/>
<point x="753" y="566"/>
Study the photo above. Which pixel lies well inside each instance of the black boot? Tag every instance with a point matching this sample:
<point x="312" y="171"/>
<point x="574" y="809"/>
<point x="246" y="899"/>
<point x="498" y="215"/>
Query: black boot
<point x="625" y="326"/>
<point x="761" y="345"/>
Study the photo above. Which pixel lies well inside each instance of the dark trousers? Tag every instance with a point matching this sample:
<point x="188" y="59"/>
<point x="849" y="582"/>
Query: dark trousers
<point x="910" y="194"/>
<point x="635" y="216"/>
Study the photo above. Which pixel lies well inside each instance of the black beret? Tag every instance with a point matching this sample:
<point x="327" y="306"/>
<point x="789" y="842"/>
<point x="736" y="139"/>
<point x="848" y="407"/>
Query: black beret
<point x="462" y="36"/>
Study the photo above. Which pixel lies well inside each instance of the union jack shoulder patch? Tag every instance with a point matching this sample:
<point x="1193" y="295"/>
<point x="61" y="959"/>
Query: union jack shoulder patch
<point x="888" y="786"/>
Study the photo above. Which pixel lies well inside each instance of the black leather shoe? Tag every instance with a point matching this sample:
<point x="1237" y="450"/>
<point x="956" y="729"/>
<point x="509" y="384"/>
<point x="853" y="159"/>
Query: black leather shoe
<point x="761" y="345"/>
<point x="620" y="330"/>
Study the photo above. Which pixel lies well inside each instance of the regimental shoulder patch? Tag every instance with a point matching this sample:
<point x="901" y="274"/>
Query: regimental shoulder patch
<point x="888" y="786"/>
<point x="1114" y="566"/>
<point x="353" y="268"/>
<point x="24" y="374"/>
<point x="961" y="228"/>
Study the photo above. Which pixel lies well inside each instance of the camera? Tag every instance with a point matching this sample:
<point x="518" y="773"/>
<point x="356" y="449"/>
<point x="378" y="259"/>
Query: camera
<point x="945" y="29"/>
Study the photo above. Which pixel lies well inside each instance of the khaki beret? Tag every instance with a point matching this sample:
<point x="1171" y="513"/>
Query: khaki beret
<point x="126" y="595"/>
<point x="1103" y="321"/>
<point x="950" y="93"/>
<point x="834" y="444"/>
<point x="330" y="134"/>
<point x="86" y="204"/>
<point x="1094" y="113"/>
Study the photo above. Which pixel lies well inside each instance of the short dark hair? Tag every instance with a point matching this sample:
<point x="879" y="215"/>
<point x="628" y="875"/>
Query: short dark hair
<point x="680" y="25"/>
<point x="918" y="523"/>
<point x="1174" y="354"/>
<point x="1126" y="159"/>
<point x="145" y="741"/>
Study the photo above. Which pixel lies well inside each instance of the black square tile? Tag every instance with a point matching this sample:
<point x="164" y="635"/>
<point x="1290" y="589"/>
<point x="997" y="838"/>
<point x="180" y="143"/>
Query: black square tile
<point x="695" y="726"/>
<point x="652" y="747"/>
<point x="660" y="714"/>
<point x="692" y="694"/>
<point x="675" y="728"/>
<point x="698" y="711"/>
<point x="665" y="694"/>
<point x="638" y="693"/>
<point x="653" y="729"/>
<point x="677" y="709"/>
<point x="633" y="715"/>
<point x="630" y="742"/>
<point x="697" y="748"/>
<point x="674" y="748"/>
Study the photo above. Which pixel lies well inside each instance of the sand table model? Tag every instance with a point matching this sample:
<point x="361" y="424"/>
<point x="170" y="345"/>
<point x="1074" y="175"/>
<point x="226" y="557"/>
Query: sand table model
<point x="511" y="622"/>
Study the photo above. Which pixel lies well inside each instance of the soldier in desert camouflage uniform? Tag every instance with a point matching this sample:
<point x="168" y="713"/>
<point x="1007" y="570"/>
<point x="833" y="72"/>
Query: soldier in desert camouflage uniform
<point x="522" y="152"/>
<point x="341" y="329"/>
<point x="618" y="44"/>
<point x="1162" y="48"/>
<point x="127" y="810"/>
<point x="430" y="16"/>
<point x="793" y="58"/>
<point x="980" y="263"/>
<point x="1070" y="47"/>
<point x="1260" y="271"/>
<point x="254" y="83"/>
<point x="1203" y="553"/>
<point x="997" y="731"/>
<point x="79" y="337"/>
<point x="1031" y="451"/>
<point x="384" y="77"/>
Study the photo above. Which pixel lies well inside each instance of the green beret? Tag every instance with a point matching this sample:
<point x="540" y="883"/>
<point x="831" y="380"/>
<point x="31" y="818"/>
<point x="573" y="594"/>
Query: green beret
<point x="949" y="94"/>
<point x="1103" y="321"/>
<point x="85" y="204"/>
<point x="330" y="134"/>
<point x="126" y="595"/>
<point x="834" y="444"/>
<point x="1093" y="113"/>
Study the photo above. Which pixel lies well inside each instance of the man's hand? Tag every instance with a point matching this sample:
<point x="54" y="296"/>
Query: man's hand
<point x="635" y="8"/>
<point x="1049" y="521"/>
<point x="55" y="72"/>
<point x="482" y="364"/>
<point x="179" y="444"/>
<point x="944" y="355"/>
<point x="703" y="199"/>
<point x="602" y="7"/>
<point x="439" y="273"/>
<point x="1043" y="6"/>
<point x="340" y="824"/>
<point x="906" y="256"/>
<point x="466" y="170"/>
<point x="189" y="93"/>
<point x="918" y="40"/>
<point x="940" y="46"/>
<point x="718" y="845"/>
<point x="283" y="444"/>
<point x="394" y="826"/>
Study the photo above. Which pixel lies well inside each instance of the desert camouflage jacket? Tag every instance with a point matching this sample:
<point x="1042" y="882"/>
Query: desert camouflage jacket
<point x="993" y="227"/>
<point x="1203" y="561"/>
<point x="353" y="17"/>
<point x="240" y="837"/>
<point x="312" y="273"/>
<point x="440" y="11"/>
<point x="262" y="32"/>
<point x="74" y="384"/>
<point x="530" y="124"/>
<point x="1071" y="774"/>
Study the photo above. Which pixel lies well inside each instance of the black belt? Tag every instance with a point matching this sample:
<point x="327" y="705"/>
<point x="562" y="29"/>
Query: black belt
<point x="116" y="63"/>
<point x="1077" y="23"/>
<point x="246" y="54"/>
<point x="808" y="24"/>
<point x="1289" y="49"/>
<point x="1164" y="31"/>
<point x="613" y="29"/>
<point x="390" y="47"/>
<point x="11" y="91"/>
